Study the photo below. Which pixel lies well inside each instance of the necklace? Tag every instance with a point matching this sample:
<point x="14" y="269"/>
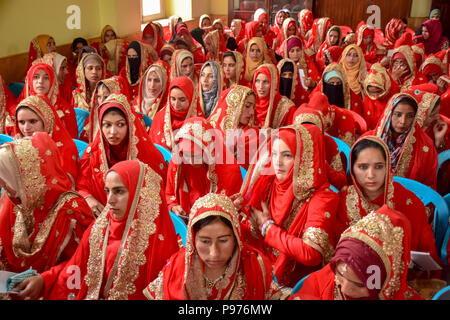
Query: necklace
<point x="209" y="284"/>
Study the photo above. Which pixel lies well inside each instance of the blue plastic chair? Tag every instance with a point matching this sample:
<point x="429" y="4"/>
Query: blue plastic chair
<point x="243" y="172"/>
<point x="16" y="88"/>
<point x="441" y="214"/>
<point x="180" y="227"/>
<point x="165" y="152"/>
<point x="442" y="157"/>
<point x="81" y="115"/>
<point x="299" y="285"/>
<point x="148" y="121"/>
<point x="334" y="188"/>
<point x="5" y="138"/>
<point x="81" y="146"/>
<point x="443" y="294"/>
<point x="343" y="147"/>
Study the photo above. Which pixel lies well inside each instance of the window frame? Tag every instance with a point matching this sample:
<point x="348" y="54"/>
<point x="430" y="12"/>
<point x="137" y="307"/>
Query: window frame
<point x="148" y="18"/>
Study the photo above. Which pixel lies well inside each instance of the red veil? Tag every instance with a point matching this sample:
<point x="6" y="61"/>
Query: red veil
<point x="43" y="227"/>
<point x="100" y="155"/>
<point x="248" y="276"/>
<point x="273" y="110"/>
<point x="63" y="108"/>
<point x="305" y="114"/>
<point x="218" y="172"/>
<point x="167" y="120"/>
<point x="371" y="238"/>
<point x="68" y="152"/>
<point x="137" y="245"/>
<point x="302" y="205"/>
<point x="354" y="205"/>
<point x="417" y="159"/>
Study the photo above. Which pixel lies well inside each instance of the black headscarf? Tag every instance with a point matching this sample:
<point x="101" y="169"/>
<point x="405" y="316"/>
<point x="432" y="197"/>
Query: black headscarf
<point x="134" y="63"/>
<point x="335" y="94"/>
<point x="286" y="83"/>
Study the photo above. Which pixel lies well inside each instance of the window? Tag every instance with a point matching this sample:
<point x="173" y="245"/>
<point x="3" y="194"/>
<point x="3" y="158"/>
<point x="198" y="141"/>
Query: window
<point x="152" y="9"/>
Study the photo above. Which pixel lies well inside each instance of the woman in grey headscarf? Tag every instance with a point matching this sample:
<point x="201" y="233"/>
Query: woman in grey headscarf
<point x="211" y="84"/>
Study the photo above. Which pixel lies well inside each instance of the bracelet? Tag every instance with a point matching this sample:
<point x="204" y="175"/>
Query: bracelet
<point x="265" y="226"/>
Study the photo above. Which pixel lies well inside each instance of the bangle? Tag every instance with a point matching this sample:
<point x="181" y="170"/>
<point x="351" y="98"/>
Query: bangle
<point x="265" y="226"/>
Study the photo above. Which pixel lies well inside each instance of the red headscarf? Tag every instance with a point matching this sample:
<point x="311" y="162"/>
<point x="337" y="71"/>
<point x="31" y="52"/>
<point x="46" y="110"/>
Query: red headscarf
<point x="152" y="30"/>
<point x="306" y="182"/>
<point x="392" y="30"/>
<point x="218" y="170"/>
<point x="273" y="110"/>
<point x="305" y="20"/>
<point x="369" y="238"/>
<point x="433" y="43"/>
<point x="167" y="120"/>
<point x="100" y="155"/>
<point x="247" y="277"/>
<point x="53" y="125"/>
<point x="139" y="243"/>
<point x="42" y="231"/>
<point x="251" y="28"/>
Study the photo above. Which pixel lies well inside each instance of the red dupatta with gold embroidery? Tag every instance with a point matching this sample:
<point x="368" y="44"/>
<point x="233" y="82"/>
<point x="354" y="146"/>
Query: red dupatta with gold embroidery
<point x="247" y="277"/>
<point x="43" y="228"/>
<point x="96" y="161"/>
<point x="302" y="204"/>
<point x="418" y="157"/>
<point x="53" y="125"/>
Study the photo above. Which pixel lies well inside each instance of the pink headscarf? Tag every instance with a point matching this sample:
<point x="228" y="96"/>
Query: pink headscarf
<point x="433" y="43"/>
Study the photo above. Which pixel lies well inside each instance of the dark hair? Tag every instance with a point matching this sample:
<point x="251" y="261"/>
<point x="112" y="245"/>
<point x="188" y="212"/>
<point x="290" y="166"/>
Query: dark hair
<point x="114" y="110"/>
<point x="229" y="54"/>
<point x="77" y="41"/>
<point x="180" y="42"/>
<point x="208" y="220"/>
<point x="86" y="49"/>
<point x="26" y="107"/>
<point x="408" y="100"/>
<point x="364" y="144"/>
<point x="232" y="44"/>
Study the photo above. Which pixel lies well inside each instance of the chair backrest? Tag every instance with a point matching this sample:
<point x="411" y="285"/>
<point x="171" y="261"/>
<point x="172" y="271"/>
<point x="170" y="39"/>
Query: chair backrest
<point x="81" y="115"/>
<point x="5" y="138"/>
<point x="16" y="88"/>
<point x="165" y="152"/>
<point x="443" y="157"/>
<point x="299" y="285"/>
<point x="344" y="148"/>
<point x="243" y="173"/>
<point x="81" y="146"/>
<point x="148" y="121"/>
<point x="180" y="227"/>
<point x="427" y="195"/>
<point x="443" y="294"/>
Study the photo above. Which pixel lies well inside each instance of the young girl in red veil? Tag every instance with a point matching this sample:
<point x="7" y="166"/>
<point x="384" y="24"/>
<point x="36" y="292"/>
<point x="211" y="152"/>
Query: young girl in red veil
<point x="118" y="136"/>
<point x="362" y="246"/>
<point x="123" y="250"/>
<point x="41" y="218"/>
<point x="243" y="272"/>
<point x="289" y="203"/>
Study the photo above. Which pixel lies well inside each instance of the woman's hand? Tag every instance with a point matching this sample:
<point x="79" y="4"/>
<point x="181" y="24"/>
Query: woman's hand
<point x="178" y="210"/>
<point x="237" y="201"/>
<point x="441" y="85"/>
<point x="309" y="82"/>
<point x="399" y="71"/>
<point x="380" y="52"/>
<point x="95" y="206"/>
<point x="259" y="217"/>
<point x="32" y="288"/>
<point x="439" y="130"/>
